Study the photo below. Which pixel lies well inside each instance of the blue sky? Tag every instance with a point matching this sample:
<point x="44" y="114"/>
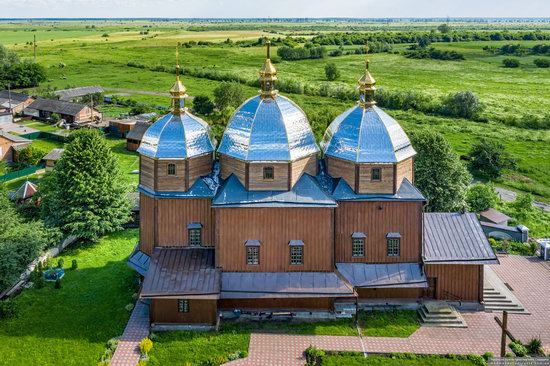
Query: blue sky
<point x="274" y="8"/>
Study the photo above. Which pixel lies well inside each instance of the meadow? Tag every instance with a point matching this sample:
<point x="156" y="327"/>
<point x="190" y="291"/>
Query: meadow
<point x="76" y="54"/>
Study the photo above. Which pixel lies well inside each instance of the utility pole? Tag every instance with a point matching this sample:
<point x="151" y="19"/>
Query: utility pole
<point x="34" y="48"/>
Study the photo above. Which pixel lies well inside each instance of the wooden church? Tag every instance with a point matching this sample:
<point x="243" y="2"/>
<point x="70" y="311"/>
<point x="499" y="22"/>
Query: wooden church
<point x="270" y="220"/>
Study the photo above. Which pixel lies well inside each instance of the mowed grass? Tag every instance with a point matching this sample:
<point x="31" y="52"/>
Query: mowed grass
<point x="69" y="326"/>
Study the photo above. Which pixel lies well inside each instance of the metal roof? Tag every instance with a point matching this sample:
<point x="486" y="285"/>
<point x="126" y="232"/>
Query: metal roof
<point x="367" y="136"/>
<point x="306" y="192"/>
<point x="56" y="106"/>
<point x="54" y="154"/>
<point x="241" y="285"/>
<point x="390" y="275"/>
<point x="177" y="136"/>
<point x="68" y="94"/>
<point x="268" y="130"/>
<point x="494" y="216"/>
<point x="456" y="238"/>
<point x="137" y="132"/>
<point x="185" y="272"/>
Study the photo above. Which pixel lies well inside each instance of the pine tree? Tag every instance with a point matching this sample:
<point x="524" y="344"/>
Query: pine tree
<point x="83" y="195"/>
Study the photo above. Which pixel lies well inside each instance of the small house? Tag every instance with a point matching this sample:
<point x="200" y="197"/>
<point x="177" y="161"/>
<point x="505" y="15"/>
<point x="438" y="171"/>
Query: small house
<point x="10" y="144"/>
<point x="133" y="138"/>
<point x="72" y="113"/>
<point x="77" y="94"/>
<point x="494" y="217"/>
<point x="52" y="157"/>
<point x="14" y="102"/>
<point x="121" y="127"/>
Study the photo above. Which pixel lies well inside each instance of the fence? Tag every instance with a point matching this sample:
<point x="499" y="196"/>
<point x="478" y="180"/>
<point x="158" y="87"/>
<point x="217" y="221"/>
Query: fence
<point x="21" y="173"/>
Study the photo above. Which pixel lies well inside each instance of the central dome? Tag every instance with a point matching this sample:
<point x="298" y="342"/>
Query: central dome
<point x="268" y="129"/>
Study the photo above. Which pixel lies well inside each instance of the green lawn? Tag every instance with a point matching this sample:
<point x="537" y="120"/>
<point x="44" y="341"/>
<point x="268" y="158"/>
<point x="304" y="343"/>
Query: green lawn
<point x="357" y="359"/>
<point x="69" y="326"/>
<point x="400" y="323"/>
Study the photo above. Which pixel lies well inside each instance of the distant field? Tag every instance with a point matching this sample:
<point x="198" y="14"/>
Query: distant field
<point x="79" y="56"/>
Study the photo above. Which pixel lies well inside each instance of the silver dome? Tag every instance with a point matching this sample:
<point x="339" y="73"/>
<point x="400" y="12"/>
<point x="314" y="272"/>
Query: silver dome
<point x="268" y="130"/>
<point x="367" y="136"/>
<point x="177" y="136"/>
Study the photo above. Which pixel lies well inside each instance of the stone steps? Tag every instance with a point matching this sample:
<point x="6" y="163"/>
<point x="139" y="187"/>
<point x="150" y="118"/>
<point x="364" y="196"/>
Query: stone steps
<point x="440" y="314"/>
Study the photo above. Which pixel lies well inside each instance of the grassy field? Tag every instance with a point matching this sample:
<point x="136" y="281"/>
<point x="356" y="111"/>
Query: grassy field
<point x="89" y="59"/>
<point x="70" y="326"/>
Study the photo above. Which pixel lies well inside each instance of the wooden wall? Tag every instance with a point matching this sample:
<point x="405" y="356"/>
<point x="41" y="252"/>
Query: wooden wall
<point x="389" y="293"/>
<point x="338" y="168"/>
<point x="173" y="216"/>
<point x="199" y="166"/>
<point x="230" y="166"/>
<point x="367" y="185"/>
<point x="146" y="223"/>
<point x="147" y="172"/>
<point x="455" y="280"/>
<point x="367" y="217"/>
<point x="256" y="181"/>
<point x="200" y="312"/>
<point x="299" y="167"/>
<point x="274" y="228"/>
<point x="165" y="182"/>
<point x="404" y="169"/>
<point x="277" y="303"/>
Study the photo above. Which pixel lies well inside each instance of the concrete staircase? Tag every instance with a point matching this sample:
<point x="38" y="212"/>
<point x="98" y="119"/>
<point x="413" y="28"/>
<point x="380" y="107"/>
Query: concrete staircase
<point x="497" y="301"/>
<point x="440" y="314"/>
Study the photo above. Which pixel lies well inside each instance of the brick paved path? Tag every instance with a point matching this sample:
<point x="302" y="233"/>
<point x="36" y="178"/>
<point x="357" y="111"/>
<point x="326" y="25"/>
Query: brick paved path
<point x="127" y="352"/>
<point x="529" y="278"/>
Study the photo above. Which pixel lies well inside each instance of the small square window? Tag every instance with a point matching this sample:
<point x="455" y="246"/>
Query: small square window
<point x="296" y="255"/>
<point x="171" y="169"/>
<point x="269" y="172"/>
<point x="253" y="255"/>
<point x="195" y="237"/>
<point x="183" y="306"/>
<point x="376" y="174"/>
<point x="358" y="247"/>
<point x="393" y="247"/>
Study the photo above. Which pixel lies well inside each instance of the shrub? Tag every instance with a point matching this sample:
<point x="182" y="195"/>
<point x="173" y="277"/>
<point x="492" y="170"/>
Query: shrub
<point x="510" y="62"/>
<point x="145" y="346"/>
<point x="481" y="197"/>
<point x="542" y="62"/>
<point x="488" y="158"/>
<point x="463" y="104"/>
<point x="519" y="349"/>
<point x="74" y="264"/>
<point x="331" y="71"/>
<point x="535" y="346"/>
<point x="8" y="309"/>
<point x="58" y="283"/>
<point x="60" y="263"/>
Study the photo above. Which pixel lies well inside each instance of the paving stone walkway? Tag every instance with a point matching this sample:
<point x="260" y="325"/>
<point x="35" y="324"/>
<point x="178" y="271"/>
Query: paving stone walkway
<point x="529" y="278"/>
<point x="127" y="352"/>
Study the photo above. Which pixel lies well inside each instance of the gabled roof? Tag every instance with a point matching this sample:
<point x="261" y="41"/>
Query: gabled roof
<point x="247" y="285"/>
<point x="56" y="106"/>
<point x="306" y="192"/>
<point x="456" y="238"/>
<point x="137" y="132"/>
<point x="367" y="135"/>
<point x="54" y="154"/>
<point x="494" y="216"/>
<point x="184" y="272"/>
<point x="389" y="275"/>
<point x="16" y="98"/>
<point x="68" y="94"/>
<point x="266" y="129"/>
